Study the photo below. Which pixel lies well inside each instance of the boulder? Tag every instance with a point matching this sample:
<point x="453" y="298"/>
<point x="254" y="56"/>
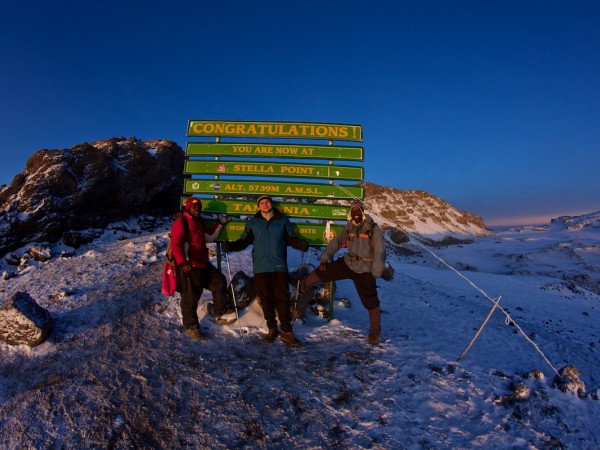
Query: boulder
<point x="23" y="321"/>
<point x="245" y="291"/>
<point x="12" y="259"/>
<point x="568" y="380"/>
<point x="76" y="239"/>
<point x="40" y="254"/>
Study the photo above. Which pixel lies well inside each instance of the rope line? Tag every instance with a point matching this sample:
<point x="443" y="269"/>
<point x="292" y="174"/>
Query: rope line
<point x="508" y="319"/>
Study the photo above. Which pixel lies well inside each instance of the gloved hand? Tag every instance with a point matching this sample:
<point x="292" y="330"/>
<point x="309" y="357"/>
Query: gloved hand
<point x="186" y="267"/>
<point x="323" y="265"/>
<point x="302" y="245"/>
<point x="224" y="219"/>
<point x="225" y="246"/>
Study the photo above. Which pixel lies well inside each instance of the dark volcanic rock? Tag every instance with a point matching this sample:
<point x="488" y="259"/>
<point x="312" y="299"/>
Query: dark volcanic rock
<point x="89" y="186"/>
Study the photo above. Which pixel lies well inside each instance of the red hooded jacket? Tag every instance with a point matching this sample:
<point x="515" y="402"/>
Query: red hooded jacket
<point x="197" y="252"/>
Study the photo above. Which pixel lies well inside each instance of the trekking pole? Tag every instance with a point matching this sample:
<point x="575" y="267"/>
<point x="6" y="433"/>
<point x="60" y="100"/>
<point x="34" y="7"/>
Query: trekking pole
<point x="331" y="285"/>
<point x="233" y="293"/>
<point x="300" y="276"/>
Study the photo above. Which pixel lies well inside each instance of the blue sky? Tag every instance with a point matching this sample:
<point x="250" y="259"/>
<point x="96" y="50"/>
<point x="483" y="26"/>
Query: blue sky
<point x="494" y="106"/>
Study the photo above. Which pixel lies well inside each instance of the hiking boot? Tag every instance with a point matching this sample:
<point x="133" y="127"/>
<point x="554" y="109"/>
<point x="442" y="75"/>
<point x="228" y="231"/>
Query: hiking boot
<point x="288" y="338"/>
<point x="271" y="335"/>
<point x="225" y="319"/>
<point x="374" y="338"/>
<point x="194" y="333"/>
<point x="308" y="281"/>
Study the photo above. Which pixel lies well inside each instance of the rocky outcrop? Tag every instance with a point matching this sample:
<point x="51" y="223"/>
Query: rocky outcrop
<point x="89" y="186"/>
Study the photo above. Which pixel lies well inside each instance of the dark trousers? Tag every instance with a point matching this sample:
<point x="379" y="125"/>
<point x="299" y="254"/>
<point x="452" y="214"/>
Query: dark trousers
<point x="274" y="294"/>
<point x="365" y="283"/>
<point x="194" y="284"/>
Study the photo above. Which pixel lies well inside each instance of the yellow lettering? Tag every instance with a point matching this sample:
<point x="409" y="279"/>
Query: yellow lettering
<point x="295" y="210"/>
<point x="321" y="131"/>
<point x="253" y="168"/>
<point x="273" y="129"/>
<point x="301" y="190"/>
<point x="243" y="207"/>
<point x="298" y="170"/>
<point x="286" y="150"/>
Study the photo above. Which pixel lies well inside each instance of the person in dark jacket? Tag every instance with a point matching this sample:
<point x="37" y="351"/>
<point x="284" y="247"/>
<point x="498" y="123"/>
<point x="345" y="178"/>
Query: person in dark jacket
<point x="195" y="271"/>
<point x="363" y="263"/>
<point x="271" y="232"/>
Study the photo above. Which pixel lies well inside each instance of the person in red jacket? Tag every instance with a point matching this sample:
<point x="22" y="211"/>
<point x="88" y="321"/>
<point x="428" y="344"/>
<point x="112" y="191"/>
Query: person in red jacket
<point x="195" y="271"/>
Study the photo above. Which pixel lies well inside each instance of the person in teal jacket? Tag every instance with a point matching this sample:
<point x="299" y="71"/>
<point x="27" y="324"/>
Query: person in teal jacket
<point x="270" y="232"/>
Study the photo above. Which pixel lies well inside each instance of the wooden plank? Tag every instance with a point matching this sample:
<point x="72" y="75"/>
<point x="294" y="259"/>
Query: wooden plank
<point x="314" y="234"/>
<point x="275" y="151"/>
<point x="291" y="130"/>
<point x="294" y="210"/>
<point x="288" y="170"/>
<point x="276" y="189"/>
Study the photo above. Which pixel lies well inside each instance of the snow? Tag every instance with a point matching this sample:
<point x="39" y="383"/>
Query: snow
<point x="116" y="371"/>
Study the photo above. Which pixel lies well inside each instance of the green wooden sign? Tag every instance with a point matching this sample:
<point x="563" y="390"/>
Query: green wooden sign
<point x="245" y="168"/>
<point x="277" y="189"/>
<point x="315" y="234"/>
<point x="275" y="151"/>
<point x="296" y="210"/>
<point x="291" y="130"/>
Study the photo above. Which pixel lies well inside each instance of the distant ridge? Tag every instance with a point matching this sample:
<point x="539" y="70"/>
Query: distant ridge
<point x="591" y="220"/>
<point x="422" y="213"/>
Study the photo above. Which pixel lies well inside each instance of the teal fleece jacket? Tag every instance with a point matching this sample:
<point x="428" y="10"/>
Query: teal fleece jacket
<point x="270" y="240"/>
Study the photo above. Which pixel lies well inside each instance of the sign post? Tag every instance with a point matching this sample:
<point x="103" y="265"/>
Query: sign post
<point x="229" y="176"/>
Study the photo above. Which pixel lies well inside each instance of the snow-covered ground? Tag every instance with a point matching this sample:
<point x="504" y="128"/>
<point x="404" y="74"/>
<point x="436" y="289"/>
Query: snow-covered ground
<point x="116" y="371"/>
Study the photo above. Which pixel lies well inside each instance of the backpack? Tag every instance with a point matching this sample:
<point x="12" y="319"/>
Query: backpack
<point x="171" y="281"/>
<point x="388" y="270"/>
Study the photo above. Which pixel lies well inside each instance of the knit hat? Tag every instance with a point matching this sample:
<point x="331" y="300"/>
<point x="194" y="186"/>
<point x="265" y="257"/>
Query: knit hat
<point x="358" y="204"/>
<point x="192" y="201"/>
<point x="262" y="197"/>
